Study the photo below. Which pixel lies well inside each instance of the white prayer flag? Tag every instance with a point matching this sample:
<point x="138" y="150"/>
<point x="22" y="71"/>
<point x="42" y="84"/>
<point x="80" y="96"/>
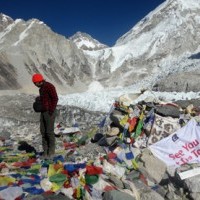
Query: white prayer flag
<point x="181" y="147"/>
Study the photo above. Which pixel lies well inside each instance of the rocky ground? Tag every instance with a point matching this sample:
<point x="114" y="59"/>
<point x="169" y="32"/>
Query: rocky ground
<point x="157" y="182"/>
<point x="18" y="117"/>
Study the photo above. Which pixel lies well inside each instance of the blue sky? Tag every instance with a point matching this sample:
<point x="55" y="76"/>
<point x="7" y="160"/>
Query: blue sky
<point x="104" y="20"/>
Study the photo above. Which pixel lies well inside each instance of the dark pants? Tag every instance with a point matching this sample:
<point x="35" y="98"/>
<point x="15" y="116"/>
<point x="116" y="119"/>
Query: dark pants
<point x="47" y="130"/>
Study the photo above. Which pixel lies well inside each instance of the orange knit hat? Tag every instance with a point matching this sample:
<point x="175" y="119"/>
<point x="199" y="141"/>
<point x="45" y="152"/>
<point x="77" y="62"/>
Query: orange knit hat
<point x="37" y="78"/>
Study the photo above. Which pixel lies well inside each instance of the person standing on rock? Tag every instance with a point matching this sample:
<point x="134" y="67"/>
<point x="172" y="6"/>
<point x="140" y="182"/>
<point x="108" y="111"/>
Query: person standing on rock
<point x="48" y="101"/>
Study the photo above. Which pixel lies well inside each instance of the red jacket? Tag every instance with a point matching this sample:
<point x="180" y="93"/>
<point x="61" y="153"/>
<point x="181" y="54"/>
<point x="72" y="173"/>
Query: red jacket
<point x="48" y="97"/>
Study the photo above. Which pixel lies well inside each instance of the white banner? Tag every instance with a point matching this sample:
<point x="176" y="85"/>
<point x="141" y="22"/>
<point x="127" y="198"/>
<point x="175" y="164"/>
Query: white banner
<point x="181" y="147"/>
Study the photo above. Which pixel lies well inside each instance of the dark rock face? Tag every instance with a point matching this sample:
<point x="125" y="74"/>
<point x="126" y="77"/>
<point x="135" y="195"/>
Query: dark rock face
<point x="183" y="104"/>
<point x="181" y="82"/>
<point x="168" y="110"/>
<point x="8" y="76"/>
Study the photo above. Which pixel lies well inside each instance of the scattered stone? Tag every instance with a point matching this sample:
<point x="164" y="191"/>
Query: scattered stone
<point x="117" y="195"/>
<point x="152" y="167"/>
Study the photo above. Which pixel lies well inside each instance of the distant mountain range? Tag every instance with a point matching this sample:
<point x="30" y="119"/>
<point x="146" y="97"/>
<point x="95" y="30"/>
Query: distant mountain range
<point x="161" y="52"/>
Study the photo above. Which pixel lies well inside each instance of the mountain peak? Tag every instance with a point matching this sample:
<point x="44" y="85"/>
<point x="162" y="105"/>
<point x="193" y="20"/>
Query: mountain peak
<point x="166" y="18"/>
<point x="5" y="18"/>
<point x="5" y="21"/>
<point x="85" y="42"/>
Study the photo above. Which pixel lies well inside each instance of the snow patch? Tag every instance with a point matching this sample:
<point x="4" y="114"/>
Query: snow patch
<point x="95" y="86"/>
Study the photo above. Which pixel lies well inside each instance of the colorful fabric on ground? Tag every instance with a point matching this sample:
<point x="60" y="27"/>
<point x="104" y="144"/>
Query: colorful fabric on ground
<point x="162" y="127"/>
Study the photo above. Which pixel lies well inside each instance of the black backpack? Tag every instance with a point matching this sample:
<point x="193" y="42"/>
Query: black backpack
<point x="37" y="105"/>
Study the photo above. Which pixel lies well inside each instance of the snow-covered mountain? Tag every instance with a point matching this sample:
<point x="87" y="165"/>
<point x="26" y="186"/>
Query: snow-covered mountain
<point x="163" y="43"/>
<point x="5" y="21"/>
<point x="86" y="42"/>
<point x="30" y="47"/>
<point x="160" y="44"/>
